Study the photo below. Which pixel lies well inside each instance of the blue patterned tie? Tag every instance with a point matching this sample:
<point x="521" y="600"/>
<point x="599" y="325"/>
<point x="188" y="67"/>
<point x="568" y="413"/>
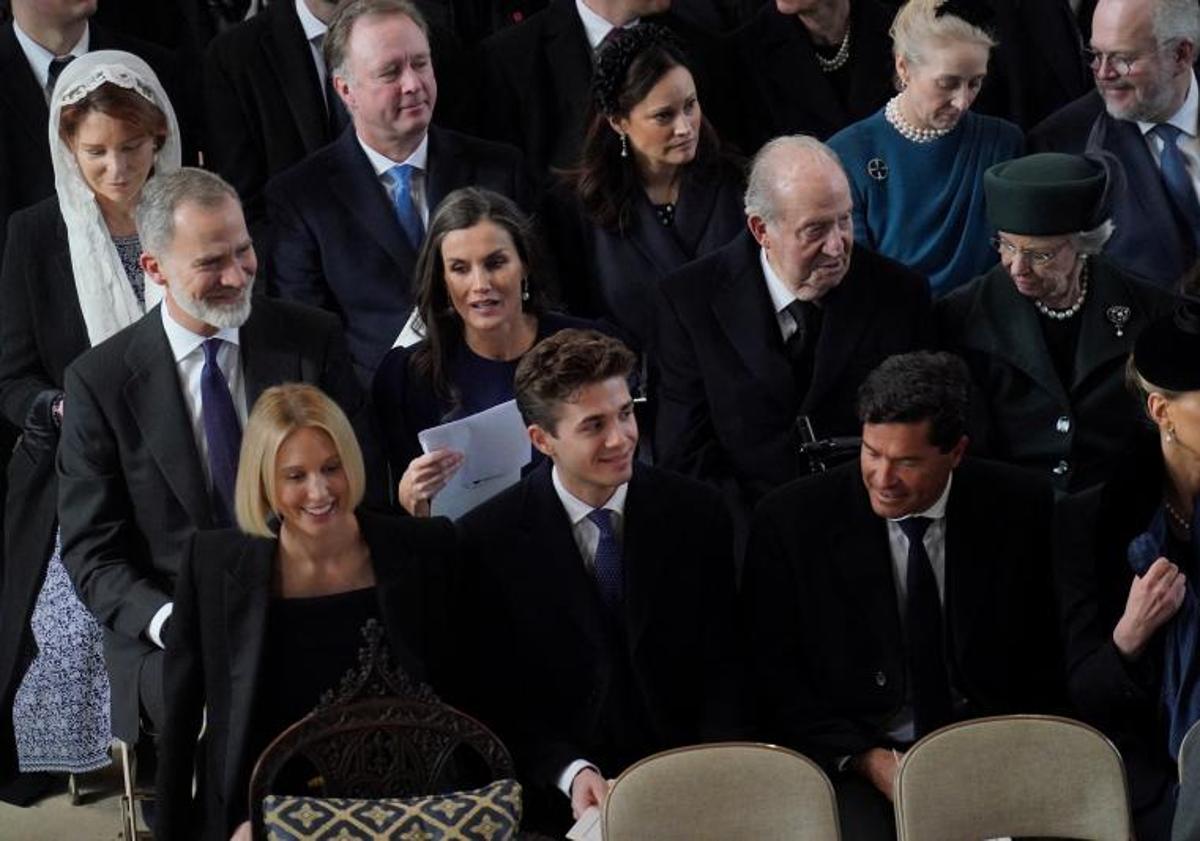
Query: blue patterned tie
<point x="406" y="209"/>
<point x="609" y="577"/>
<point x="923" y="627"/>
<point x="1175" y="177"/>
<point x="222" y="432"/>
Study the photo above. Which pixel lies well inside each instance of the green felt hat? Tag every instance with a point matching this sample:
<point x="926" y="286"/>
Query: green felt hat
<point x="1046" y="194"/>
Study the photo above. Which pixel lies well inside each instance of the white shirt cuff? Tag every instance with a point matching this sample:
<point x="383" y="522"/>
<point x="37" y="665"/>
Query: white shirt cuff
<point x="160" y="619"/>
<point x="568" y="776"/>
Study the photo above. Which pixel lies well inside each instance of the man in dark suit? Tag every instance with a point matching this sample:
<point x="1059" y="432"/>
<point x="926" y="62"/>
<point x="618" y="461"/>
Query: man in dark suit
<point x="39" y="33"/>
<point x="348" y="221"/>
<point x="611" y="582"/>
<point x="781" y="324"/>
<point x="537" y="77"/>
<point x="888" y="598"/>
<point x="1144" y="112"/>
<point x="153" y="417"/>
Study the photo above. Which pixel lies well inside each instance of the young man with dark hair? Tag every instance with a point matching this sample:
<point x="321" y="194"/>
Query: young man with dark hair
<point x="610" y="583"/>
<point x="887" y="599"/>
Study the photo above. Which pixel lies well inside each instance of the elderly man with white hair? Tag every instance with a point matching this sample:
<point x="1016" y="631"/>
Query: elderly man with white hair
<point x="1146" y="112"/>
<point x="775" y="331"/>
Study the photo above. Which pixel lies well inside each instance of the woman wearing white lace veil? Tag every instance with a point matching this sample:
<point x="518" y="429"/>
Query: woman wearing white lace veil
<point x="70" y="279"/>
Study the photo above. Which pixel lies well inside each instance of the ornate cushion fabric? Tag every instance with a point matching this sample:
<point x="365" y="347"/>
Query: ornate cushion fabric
<point x="491" y="813"/>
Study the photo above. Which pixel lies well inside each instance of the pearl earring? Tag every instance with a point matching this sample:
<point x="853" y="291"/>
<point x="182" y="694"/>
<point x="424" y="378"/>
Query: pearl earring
<point x="624" y="146"/>
<point x="525" y="288"/>
<point x="1171" y="434"/>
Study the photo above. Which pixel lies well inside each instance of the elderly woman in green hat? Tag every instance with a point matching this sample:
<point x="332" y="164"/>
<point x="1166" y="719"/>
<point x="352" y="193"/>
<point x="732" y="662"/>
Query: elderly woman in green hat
<point x="1046" y="332"/>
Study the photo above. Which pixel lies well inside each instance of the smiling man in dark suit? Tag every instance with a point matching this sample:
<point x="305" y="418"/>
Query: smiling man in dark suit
<point x="782" y="323"/>
<point x="888" y="598"/>
<point x="152" y="421"/>
<point x="611" y="582"/>
<point x="347" y="222"/>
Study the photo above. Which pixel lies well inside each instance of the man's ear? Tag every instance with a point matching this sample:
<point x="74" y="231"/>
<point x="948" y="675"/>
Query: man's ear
<point x="152" y="268"/>
<point x="959" y="450"/>
<point x="542" y="440"/>
<point x="758" y="229"/>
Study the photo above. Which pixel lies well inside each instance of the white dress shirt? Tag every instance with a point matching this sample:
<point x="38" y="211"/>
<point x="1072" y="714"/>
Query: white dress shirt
<point x="314" y="31"/>
<point x="1186" y="119"/>
<point x="587" y="538"/>
<point x="39" y="57"/>
<point x="901" y="727"/>
<point x="418" y="160"/>
<point x="781" y="297"/>
<point x="187" y="349"/>
<point x="595" y="27"/>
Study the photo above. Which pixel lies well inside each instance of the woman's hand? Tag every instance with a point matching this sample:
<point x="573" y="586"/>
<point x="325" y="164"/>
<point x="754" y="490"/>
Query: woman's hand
<point x="424" y="477"/>
<point x="1153" y="599"/>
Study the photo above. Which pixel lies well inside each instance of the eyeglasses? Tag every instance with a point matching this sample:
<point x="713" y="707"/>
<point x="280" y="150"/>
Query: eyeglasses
<point x="1122" y="63"/>
<point x="1039" y="257"/>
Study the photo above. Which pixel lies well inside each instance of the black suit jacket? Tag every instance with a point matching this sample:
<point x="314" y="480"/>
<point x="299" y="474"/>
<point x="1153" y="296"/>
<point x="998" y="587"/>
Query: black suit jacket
<point x="1142" y="211"/>
<point x="24" y="143"/>
<point x="215" y="654"/>
<point x="336" y="241"/>
<point x="727" y="402"/>
<point x="823" y="621"/>
<point x="772" y="84"/>
<point x="534" y="593"/>
<point x="131" y="486"/>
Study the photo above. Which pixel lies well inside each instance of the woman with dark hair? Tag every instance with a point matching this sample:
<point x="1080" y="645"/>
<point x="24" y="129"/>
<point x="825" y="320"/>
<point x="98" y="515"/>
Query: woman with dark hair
<point x="652" y="190"/>
<point x="481" y="305"/>
<point x="70" y="279"/>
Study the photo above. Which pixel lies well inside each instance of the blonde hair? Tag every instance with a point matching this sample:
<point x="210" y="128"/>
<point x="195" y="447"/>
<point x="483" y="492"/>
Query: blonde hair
<point x="278" y="412"/>
<point x="916" y="27"/>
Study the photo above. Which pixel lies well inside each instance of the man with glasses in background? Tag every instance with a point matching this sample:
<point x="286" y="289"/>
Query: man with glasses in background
<point x="1142" y="54"/>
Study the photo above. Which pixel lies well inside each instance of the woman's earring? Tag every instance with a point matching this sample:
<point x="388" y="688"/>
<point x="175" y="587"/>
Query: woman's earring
<point x="525" y="288"/>
<point x="1171" y="434"/>
<point x="624" y="145"/>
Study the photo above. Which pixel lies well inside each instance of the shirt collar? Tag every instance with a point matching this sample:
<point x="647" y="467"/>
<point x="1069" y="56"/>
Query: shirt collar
<point x="39" y="57"/>
<point x="937" y="511"/>
<point x="184" y="342"/>
<point x="577" y="509"/>
<point x="382" y="163"/>
<point x="1186" y="118"/>
<point x="596" y="27"/>
<point x="781" y="296"/>
<point x="313" y="26"/>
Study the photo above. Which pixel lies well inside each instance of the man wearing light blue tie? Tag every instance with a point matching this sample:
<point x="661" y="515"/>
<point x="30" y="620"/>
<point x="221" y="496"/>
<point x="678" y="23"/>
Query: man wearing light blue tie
<point x="348" y="222"/>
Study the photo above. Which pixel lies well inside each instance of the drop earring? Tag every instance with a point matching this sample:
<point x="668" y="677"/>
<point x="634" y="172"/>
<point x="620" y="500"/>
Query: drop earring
<point x="525" y="288"/>
<point x="624" y="145"/>
<point x="1171" y="434"/>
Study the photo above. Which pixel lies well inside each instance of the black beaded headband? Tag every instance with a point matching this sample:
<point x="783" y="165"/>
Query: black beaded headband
<point x="976" y="14"/>
<point x="618" y="54"/>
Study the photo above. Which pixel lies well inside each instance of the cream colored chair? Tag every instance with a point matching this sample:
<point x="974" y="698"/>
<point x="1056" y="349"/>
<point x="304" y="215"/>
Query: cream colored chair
<point x="1013" y="776"/>
<point x="723" y="791"/>
<point x="1189" y="752"/>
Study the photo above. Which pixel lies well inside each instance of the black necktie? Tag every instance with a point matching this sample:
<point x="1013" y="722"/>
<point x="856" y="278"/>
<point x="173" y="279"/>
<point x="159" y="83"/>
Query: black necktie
<point x="800" y="346"/>
<point x="56" y="69"/>
<point x="923" y="627"/>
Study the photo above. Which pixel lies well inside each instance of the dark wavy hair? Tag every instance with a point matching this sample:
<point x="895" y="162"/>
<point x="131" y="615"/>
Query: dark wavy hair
<point x="465" y="208"/>
<point x="557" y="367"/>
<point x="626" y="70"/>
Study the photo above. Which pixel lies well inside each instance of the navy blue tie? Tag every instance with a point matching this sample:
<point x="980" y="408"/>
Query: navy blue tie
<point x="609" y="575"/>
<point x="406" y="208"/>
<point x="222" y="432"/>
<point x="923" y="627"/>
<point x="1175" y="177"/>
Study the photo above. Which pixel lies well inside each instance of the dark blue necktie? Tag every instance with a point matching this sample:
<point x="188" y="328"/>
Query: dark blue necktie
<point x="923" y="627"/>
<point x="222" y="432"/>
<point x="406" y="209"/>
<point x="609" y="577"/>
<point x="57" y="65"/>
<point x="1175" y="177"/>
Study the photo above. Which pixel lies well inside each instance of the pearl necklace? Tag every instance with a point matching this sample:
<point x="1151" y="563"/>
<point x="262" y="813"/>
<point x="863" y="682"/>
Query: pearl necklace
<point x="1179" y="519"/>
<point x="907" y="130"/>
<point x="1063" y="315"/>
<point x="828" y="65"/>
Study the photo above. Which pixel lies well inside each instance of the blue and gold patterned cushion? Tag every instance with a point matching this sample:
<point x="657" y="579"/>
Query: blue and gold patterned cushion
<point x="491" y="813"/>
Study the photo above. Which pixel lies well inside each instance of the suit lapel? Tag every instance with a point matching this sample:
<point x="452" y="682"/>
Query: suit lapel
<point x="864" y="562"/>
<point x="155" y="401"/>
<point x="1144" y="191"/>
<point x="848" y="311"/>
<point x="968" y="564"/>
<point x="742" y="306"/>
<point x="287" y="51"/>
<point x="1099" y="343"/>
<point x="403" y="614"/>
<point x="353" y="181"/>
<point x="21" y="99"/>
<point x="447" y="168"/>
<point x="693" y="213"/>
<point x="268" y="354"/>
<point x="642" y="555"/>
<point x="247" y="600"/>
<point x="654" y="241"/>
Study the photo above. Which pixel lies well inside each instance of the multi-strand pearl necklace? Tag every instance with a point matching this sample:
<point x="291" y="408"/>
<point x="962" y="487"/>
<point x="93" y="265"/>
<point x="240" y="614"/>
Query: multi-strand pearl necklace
<point x="828" y="65"/>
<point x="1063" y="315"/>
<point x="908" y="130"/>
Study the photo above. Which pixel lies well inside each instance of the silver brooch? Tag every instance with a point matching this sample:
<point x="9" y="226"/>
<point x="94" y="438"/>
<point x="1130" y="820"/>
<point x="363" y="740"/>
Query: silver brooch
<point x="877" y="168"/>
<point x="1118" y="316"/>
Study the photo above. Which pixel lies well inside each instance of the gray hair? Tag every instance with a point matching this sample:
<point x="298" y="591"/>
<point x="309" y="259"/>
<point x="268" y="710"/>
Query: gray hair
<point x="163" y="194"/>
<point x="341" y="25"/>
<point x="917" y="24"/>
<point x="1176" y="20"/>
<point x="1093" y="241"/>
<point x="765" y="170"/>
